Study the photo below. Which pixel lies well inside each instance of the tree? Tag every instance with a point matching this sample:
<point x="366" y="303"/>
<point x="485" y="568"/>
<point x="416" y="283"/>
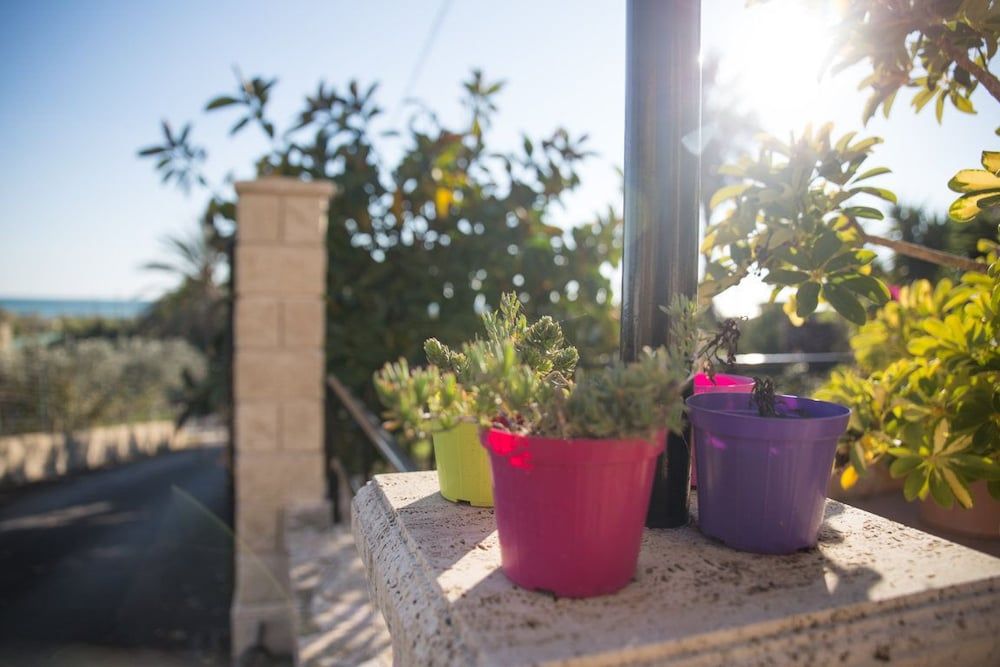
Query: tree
<point x="421" y="246"/>
<point x="927" y="390"/>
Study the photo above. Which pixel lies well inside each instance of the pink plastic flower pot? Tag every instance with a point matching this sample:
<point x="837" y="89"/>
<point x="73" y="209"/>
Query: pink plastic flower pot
<point x="570" y="513"/>
<point x="722" y="382"/>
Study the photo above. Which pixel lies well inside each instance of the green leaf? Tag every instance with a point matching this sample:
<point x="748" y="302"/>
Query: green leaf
<point x="877" y="171"/>
<point x="963" y="104"/>
<point x="845" y="303"/>
<point x="864" y="145"/>
<point x="991" y="160"/>
<point x="957" y="487"/>
<point x="826" y="246"/>
<point x="844" y="260"/>
<point x="239" y="126"/>
<point x="916" y="484"/>
<point x="857" y="454"/>
<point x="221" y="101"/>
<point x="980" y="467"/>
<point x="968" y="207"/>
<point x="921" y="345"/>
<point x="152" y="150"/>
<point x="940" y="492"/>
<point x="785" y="277"/>
<point x="974" y="180"/>
<point x="868" y="287"/>
<point x="903" y="466"/>
<point x="922" y="98"/>
<point x="864" y="212"/>
<point x="727" y="192"/>
<point x="881" y="193"/>
<point x="806" y="298"/>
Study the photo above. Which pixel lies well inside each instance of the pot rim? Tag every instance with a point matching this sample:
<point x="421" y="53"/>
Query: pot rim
<point x="694" y="400"/>
<point x="571" y="451"/>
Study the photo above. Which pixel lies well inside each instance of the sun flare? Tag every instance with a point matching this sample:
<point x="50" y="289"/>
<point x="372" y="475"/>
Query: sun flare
<point x="775" y="63"/>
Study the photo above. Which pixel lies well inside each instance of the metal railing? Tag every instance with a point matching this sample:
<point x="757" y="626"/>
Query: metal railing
<point x="791" y="358"/>
<point x="383" y="442"/>
<point x="341" y="484"/>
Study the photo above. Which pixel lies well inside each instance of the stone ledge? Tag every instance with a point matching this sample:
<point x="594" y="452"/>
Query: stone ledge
<point x="873" y="590"/>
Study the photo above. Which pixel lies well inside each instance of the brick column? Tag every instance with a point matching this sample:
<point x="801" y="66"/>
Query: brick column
<point x="278" y="391"/>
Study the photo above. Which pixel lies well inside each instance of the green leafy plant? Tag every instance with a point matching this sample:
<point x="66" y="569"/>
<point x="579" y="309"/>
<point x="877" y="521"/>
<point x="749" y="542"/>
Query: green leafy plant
<point x="980" y="189"/>
<point x="940" y="49"/>
<point x="924" y="391"/>
<point x="931" y="407"/>
<point x="77" y="384"/>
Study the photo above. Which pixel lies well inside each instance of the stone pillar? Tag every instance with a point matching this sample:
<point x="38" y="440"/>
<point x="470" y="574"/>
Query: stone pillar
<point x="278" y="391"/>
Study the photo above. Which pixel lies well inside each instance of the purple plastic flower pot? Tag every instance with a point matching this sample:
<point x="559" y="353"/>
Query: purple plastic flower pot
<point x="570" y="512"/>
<point x="762" y="480"/>
<point x="722" y="382"/>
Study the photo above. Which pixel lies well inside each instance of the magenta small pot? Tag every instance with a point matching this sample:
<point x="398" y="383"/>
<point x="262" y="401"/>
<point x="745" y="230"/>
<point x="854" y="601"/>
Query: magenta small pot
<point x="762" y="480"/>
<point x="722" y="382"/>
<point x="570" y="513"/>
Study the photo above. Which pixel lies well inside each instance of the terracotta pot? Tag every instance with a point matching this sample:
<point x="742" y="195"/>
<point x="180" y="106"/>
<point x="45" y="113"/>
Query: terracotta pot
<point x="875" y="481"/>
<point x="983" y="520"/>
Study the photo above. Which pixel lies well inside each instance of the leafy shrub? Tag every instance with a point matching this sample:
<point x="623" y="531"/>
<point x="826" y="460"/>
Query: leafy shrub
<point x="74" y="385"/>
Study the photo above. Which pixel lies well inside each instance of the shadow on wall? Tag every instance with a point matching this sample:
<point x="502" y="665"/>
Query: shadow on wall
<point x="35" y="457"/>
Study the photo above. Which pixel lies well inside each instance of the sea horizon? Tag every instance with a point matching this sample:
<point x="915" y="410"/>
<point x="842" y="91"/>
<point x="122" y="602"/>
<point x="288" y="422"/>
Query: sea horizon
<point x="53" y="307"/>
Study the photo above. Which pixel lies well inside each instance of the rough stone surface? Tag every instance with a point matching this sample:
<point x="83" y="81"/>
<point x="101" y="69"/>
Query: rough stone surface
<point x="305" y="220"/>
<point x="259" y="216"/>
<point x="257" y="322"/>
<point x="278" y="391"/>
<point x="280" y="270"/>
<point x="336" y="623"/>
<point x="873" y="591"/>
<point x="277" y="374"/>
<point x="257" y="425"/>
<point x="302" y="323"/>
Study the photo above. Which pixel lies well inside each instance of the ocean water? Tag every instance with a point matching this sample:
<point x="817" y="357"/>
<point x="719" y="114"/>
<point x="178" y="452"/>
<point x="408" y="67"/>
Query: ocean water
<point x="50" y="308"/>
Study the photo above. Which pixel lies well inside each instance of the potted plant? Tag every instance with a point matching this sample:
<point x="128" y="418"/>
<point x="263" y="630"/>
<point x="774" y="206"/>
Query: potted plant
<point x="436" y="402"/>
<point x="763" y="465"/>
<point x="573" y="459"/>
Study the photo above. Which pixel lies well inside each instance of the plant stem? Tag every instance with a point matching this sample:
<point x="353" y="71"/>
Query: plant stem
<point x="990" y="82"/>
<point x="917" y="251"/>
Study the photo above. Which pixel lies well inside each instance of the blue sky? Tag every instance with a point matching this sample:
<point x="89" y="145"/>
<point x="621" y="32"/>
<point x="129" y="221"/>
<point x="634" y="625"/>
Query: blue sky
<point x="84" y="84"/>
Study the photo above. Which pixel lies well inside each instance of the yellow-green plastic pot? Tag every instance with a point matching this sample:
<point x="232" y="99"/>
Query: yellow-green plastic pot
<point x="463" y="466"/>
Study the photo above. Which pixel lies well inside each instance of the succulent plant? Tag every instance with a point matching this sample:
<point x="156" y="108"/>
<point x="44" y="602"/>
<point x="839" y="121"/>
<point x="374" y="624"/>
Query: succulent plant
<point x="521" y="378"/>
<point x="520" y="361"/>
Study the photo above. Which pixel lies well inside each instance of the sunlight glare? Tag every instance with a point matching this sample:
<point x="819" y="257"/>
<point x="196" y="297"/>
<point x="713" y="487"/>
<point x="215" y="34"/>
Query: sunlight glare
<point x="775" y="63"/>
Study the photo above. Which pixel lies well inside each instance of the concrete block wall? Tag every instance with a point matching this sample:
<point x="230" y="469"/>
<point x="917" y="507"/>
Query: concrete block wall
<point x="278" y="391"/>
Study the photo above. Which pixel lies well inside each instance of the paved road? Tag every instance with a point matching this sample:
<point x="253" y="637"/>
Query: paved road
<point x="127" y="566"/>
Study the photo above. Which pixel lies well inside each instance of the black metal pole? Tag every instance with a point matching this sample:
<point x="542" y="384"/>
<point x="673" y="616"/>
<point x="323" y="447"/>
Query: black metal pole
<point x="662" y="165"/>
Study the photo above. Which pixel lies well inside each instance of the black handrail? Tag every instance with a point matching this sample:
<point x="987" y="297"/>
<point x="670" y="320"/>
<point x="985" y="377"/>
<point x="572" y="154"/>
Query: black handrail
<point x="372" y="428"/>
